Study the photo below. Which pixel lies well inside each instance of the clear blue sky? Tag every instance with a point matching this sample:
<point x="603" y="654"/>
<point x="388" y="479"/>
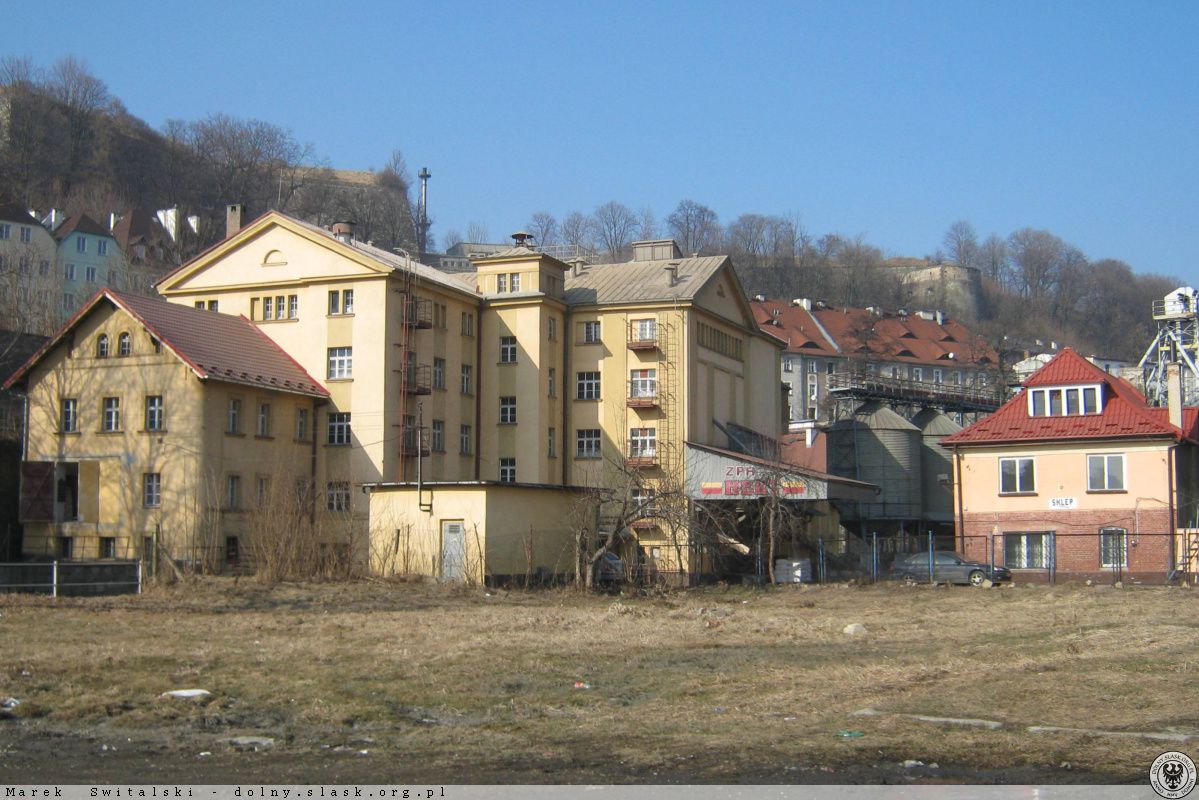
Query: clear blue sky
<point x="888" y="120"/>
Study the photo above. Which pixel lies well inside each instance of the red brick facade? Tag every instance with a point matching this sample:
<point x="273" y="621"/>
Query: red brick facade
<point x="1076" y="555"/>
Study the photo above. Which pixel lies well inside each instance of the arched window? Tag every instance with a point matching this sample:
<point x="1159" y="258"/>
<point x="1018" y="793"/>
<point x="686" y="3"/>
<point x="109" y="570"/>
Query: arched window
<point x="124" y="345"/>
<point x="102" y="346"/>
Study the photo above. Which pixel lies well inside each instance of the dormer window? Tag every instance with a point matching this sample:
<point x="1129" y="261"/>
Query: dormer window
<point x="1065" y="401"/>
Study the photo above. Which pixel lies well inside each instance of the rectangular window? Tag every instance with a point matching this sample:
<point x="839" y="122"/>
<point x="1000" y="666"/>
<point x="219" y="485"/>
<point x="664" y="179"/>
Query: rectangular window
<point x="507" y="410"/>
<point x="339" y="428"/>
<point x="917" y="374"/>
<point x="553" y="382"/>
<point x="334" y="302"/>
<point x="507" y="349"/>
<point x="788" y="365"/>
<point x="587" y="385"/>
<point x="466" y="379"/>
<point x="341" y="362"/>
<point x="507" y="470"/>
<point x="514" y="281"/>
<point x="438" y="373"/>
<point x="1016" y="476"/>
<point x="66" y="547"/>
<point x="347" y="301"/>
<point x="234" y="416"/>
<point x="264" y="420"/>
<point x="1090" y="400"/>
<point x="80" y="244"/>
<point x="302" y="424"/>
<point x="112" y="414"/>
<point x="262" y="490"/>
<point x="501" y="283"/>
<point x="812" y="367"/>
<point x="464" y="440"/>
<point x="591" y="332"/>
<point x="70" y="415"/>
<point x="645" y="330"/>
<point x="813" y="388"/>
<point x="151" y="489"/>
<point x="1105" y="472"/>
<point x="643" y="383"/>
<point x="552" y="333"/>
<point x="1113" y="548"/>
<point x="1055" y="402"/>
<point x="438" y="444"/>
<point x="643" y="442"/>
<point x="154" y="416"/>
<point x="552" y="450"/>
<point x="232" y="492"/>
<point x="102" y="247"/>
<point x="268" y="308"/>
<point x="938" y="376"/>
<point x="5" y="231"/>
<point x="26" y="234"/>
<point x="108" y="547"/>
<point x="644" y="502"/>
<point x="293" y="306"/>
<point x="90" y="274"/>
<point x="337" y="496"/>
<point x="214" y="305"/>
<point x="1026" y="550"/>
<point x="1072" y="406"/>
<point x="468" y="324"/>
<point x="70" y="272"/>
<point x="1038" y="403"/>
<point x="68" y="301"/>
<point x="957" y="377"/>
<point x="280" y="307"/>
<point x="587" y="443"/>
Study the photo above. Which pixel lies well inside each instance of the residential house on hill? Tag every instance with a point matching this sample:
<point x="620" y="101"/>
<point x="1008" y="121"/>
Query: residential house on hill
<point x="1077" y="476"/>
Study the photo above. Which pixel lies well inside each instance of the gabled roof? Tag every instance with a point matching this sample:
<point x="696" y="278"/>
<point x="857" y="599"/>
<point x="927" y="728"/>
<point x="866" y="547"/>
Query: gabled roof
<point x="139" y="225"/>
<point x="13" y="212"/>
<point x="1125" y="413"/>
<point x="217" y="347"/>
<point x="794" y="325"/>
<point x="80" y="223"/>
<point x="641" y="281"/>
<point x="363" y="253"/>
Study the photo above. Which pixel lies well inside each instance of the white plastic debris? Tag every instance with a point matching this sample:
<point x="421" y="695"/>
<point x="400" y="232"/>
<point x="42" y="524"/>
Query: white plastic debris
<point x="854" y="629"/>
<point x="9" y="702"/>
<point x="187" y="694"/>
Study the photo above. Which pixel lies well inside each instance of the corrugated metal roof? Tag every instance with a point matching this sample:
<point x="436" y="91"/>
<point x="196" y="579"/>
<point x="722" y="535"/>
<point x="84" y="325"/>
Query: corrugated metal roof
<point x="641" y="281"/>
<point x="1125" y="413"/>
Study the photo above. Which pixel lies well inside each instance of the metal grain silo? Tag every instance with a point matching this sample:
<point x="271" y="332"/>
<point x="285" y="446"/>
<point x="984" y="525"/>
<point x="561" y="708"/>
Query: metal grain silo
<point x="878" y="446"/>
<point x="936" y="464"/>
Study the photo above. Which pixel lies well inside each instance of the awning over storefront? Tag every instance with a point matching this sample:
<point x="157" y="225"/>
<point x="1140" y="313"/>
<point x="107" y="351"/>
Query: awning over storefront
<point x="717" y="474"/>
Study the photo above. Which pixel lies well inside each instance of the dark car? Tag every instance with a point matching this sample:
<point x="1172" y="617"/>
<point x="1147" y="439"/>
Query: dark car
<point x="948" y="567"/>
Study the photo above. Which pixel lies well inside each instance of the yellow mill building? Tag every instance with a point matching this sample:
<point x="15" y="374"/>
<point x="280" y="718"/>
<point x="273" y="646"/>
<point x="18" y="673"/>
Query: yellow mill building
<point x="460" y="423"/>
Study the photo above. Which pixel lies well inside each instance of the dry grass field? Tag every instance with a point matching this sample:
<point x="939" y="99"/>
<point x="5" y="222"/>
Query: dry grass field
<point x="416" y="683"/>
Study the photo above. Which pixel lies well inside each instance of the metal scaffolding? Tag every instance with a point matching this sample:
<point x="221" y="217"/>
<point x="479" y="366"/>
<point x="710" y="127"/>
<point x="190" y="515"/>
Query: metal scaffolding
<point x="1177" y="342"/>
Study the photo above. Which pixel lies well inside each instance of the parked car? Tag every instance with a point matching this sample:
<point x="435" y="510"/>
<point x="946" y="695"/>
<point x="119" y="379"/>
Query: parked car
<point x="609" y="570"/>
<point x="948" y="567"/>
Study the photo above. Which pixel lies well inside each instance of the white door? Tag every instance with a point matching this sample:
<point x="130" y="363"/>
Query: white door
<point x="453" y="551"/>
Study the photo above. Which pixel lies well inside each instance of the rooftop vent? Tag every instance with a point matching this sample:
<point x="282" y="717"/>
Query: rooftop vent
<point x="803" y="303"/>
<point x="656" y="250"/>
<point x="522" y="239"/>
<point x="344" y="231"/>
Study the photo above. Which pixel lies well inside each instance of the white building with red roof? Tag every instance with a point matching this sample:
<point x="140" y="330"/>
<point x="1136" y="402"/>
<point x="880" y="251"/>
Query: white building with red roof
<point x="1077" y="476"/>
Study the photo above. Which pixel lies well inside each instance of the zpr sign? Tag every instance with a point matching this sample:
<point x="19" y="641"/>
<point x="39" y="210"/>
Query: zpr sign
<point x="742" y="481"/>
<point x="1063" y="503"/>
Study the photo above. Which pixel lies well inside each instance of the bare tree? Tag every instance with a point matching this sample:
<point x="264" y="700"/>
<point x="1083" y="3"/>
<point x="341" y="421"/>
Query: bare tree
<point x="476" y="232"/>
<point x="1036" y="257"/>
<point x="615" y="226"/>
<point x="452" y="237"/>
<point x="961" y="244"/>
<point x="695" y="227"/>
<point x="82" y="96"/>
<point x="647" y="227"/>
<point x="993" y="259"/>
<point x="544" y="228"/>
<point x="578" y="230"/>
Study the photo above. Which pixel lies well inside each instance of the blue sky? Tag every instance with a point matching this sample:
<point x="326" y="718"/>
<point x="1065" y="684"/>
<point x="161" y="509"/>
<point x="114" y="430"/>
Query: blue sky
<point x="888" y="120"/>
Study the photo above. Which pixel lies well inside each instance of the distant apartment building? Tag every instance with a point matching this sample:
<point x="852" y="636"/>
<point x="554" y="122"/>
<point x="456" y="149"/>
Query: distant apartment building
<point x="850" y="355"/>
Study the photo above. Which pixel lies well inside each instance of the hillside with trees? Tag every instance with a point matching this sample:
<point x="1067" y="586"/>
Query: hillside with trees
<point x="66" y="142"/>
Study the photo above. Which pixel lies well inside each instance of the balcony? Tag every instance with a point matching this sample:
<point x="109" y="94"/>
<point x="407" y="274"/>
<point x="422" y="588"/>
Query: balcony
<point x="416" y="312"/>
<point x="414" y="442"/>
<point x="643" y="393"/>
<point x="643" y="334"/>
<point x="642" y="457"/>
<point x="416" y="379"/>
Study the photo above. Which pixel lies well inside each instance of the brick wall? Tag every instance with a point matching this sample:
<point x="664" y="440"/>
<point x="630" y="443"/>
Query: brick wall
<point x="1077" y="556"/>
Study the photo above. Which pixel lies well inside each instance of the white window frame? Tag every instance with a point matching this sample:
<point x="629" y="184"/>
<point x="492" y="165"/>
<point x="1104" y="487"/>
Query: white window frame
<point x="1112" y="466"/>
<point x="466" y="384"/>
<point x="340" y="363"/>
<point x="1106" y="535"/>
<point x="70" y="415"/>
<point x="643" y="383"/>
<point x="588" y="443"/>
<point x="111" y="420"/>
<point x="338" y="431"/>
<point x="591" y="332"/>
<point x="154" y="412"/>
<point x="587" y="385"/>
<point x="464" y="444"/>
<point x="1019" y="489"/>
<point x="508" y="410"/>
<point x="437" y="445"/>
<point x="438" y="373"/>
<point x="1044" y="401"/>
<point x="337" y="496"/>
<point x="507" y="349"/>
<point x="263" y="426"/>
<point x="1024" y="559"/>
<point x="507" y="470"/>
<point x="151" y="489"/>
<point x="643" y="442"/>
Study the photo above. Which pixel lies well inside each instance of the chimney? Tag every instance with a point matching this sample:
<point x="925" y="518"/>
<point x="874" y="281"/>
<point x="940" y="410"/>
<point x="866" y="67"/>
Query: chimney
<point x="1174" y="393"/>
<point x="113" y="219"/>
<point x="576" y="266"/>
<point x="803" y="303"/>
<point x="344" y="231"/>
<point x="234" y="218"/>
<point x="672" y="273"/>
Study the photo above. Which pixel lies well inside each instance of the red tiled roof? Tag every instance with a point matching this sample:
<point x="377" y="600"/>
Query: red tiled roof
<point x="794" y="325"/>
<point x="1125" y="413"/>
<point x="81" y="223"/>
<point x="216" y="346"/>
